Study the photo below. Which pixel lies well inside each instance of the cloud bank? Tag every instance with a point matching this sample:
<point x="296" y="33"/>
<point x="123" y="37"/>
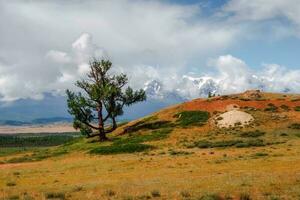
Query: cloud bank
<point x="46" y="45"/>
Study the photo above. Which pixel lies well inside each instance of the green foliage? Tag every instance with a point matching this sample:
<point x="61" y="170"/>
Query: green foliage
<point x="255" y="133"/>
<point x="146" y="124"/>
<point x="118" y="149"/>
<point x="36" y="140"/>
<point x="295" y="126"/>
<point x="11" y="184"/>
<point x="260" y="154"/>
<point x="271" y="108"/>
<point x="189" y="118"/>
<point x="297" y="108"/>
<point x="155" y="193"/>
<point x="132" y="144"/>
<point x="228" y="143"/>
<point x="103" y="94"/>
<point x="37" y="155"/>
<point x="245" y="196"/>
<point x="55" y="195"/>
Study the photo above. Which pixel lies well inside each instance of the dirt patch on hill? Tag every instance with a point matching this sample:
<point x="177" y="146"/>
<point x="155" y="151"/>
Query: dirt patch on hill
<point x="233" y="118"/>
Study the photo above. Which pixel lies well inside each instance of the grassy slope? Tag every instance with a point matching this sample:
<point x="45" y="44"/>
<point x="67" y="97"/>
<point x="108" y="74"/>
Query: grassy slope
<point x="173" y="164"/>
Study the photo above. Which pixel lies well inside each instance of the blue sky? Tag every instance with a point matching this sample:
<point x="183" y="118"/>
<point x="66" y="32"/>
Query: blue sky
<point x="45" y="45"/>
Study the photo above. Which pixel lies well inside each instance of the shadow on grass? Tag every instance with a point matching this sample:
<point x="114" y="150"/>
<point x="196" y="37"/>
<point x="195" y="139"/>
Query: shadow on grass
<point x="132" y="144"/>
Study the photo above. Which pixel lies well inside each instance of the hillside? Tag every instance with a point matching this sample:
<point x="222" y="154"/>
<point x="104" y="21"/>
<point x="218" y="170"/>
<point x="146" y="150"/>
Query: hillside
<point x="242" y="146"/>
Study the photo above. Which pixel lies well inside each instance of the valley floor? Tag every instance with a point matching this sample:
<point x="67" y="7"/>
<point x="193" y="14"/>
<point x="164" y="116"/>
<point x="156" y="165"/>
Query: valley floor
<point x="273" y="174"/>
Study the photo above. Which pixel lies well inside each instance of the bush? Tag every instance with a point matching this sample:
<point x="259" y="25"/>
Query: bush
<point x="260" y="154"/>
<point x="155" y="193"/>
<point x="189" y="118"/>
<point x="55" y="195"/>
<point x="245" y="196"/>
<point x="211" y="197"/>
<point x="295" y="126"/>
<point x="271" y="108"/>
<point x="11" y="184"/>
<point x="297" y="108"/>
<point x="110" y="193"/>
<point x="185" y="194"/>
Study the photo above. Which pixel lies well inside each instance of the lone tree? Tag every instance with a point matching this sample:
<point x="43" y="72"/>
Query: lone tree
<point x="102" y="100"/>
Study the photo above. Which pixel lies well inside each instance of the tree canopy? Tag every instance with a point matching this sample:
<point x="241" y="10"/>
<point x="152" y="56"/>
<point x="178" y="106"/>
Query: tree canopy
<point x="102" y="99"/>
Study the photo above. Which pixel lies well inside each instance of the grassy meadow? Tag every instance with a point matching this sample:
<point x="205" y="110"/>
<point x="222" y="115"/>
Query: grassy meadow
<point x="177" y="153"/>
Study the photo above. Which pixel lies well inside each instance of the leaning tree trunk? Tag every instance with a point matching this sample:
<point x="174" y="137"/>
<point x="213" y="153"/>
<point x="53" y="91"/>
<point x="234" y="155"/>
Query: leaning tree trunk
<point x="102" y="135"/>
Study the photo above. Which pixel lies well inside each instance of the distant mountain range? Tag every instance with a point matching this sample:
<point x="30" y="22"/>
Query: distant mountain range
<point x="184" y="89"/>
<point x="36" y="121"/>
<point x="160" y="94"/>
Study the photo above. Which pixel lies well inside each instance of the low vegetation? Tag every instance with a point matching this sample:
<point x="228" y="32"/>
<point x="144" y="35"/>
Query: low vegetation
<point x="297" y="108"/>
<point x="36" y="140"/>
<point x="191" y="118"/>
<point x="228" y="143"/>
<point x="255" y="133"/>
<point x="133" y="143"/>
<point x="295" y="126"/>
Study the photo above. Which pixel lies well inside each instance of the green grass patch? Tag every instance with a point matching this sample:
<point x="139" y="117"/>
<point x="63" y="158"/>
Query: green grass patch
<point x="229" y="143"/>
<point x="295" y="126"/>
<point x="123" y="148"/>
<point x="255" y="133"/>
<point x="132" y="144"/>
<point x="297" y="108"/>
<point x="154" y="135"/>
<point x="38" y="155"/>
<point x="271" y="108"/>
<point x="36" y="140"/>
<point x="148" y="125"/>
<point x="190" y="118"/>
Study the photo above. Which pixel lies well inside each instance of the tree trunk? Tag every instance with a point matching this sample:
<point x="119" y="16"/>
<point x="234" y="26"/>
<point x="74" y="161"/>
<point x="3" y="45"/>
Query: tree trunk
<point x="102" y="135"/>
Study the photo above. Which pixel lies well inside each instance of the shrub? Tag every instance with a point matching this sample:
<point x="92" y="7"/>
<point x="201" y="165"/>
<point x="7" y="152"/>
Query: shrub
<point x="110" y="193"/>
<point x="271" y="108"/>
<point x="55" y="195"/>
<point x="295" y="126"/>
<point x="255" y="133"/>
<point x="189" y="118"/>
<point x="211" y="197"/>
<point x="260" y="154"/>
<point x="285" y="107"/>
<point x="245" y="196"/>
<point x="11" y="184"/>
<point x="185" y="194"/>
<point x="155" y="193"/>
<point x="297" y="108"/>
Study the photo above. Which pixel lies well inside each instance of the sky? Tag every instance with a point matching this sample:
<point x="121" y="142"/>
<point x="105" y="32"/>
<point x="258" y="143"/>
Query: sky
<point x="45" y="45"/>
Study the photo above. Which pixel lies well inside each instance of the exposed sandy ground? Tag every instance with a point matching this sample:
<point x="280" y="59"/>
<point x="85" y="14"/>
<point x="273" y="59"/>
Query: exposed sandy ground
<point x="233" y="117"/>
<point x="50" y="128"/>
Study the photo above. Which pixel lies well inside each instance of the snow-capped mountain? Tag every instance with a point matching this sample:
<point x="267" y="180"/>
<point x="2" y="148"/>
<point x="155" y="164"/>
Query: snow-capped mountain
<point x="184" y="88"/>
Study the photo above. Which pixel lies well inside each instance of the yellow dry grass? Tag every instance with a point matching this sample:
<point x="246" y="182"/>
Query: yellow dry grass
<point x="224" y="171"/>
<point x="268" y="172"/>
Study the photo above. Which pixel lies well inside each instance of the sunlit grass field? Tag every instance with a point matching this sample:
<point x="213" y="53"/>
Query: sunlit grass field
<point x="177" y="153"/>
